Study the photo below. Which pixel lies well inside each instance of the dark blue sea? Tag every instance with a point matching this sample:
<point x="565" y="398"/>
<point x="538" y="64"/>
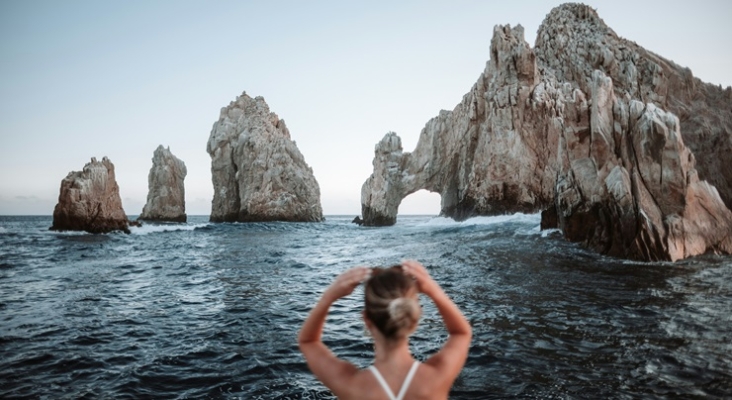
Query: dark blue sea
<point x="202" y="310"/>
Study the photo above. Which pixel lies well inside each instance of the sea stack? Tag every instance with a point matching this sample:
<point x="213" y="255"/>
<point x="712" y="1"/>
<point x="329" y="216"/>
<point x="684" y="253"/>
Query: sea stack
<point x="258" y="172"/>
<point x="587" y="126"/>
<point x="166" y="199"/>
<point x="89" y="201"/>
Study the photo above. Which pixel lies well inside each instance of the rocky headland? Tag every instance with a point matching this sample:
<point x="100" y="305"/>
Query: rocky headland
<point x="258" y="172"/>
<point x="166" y="200"/>
<point x="89" y="201"/>
<point x="587" y="126"/>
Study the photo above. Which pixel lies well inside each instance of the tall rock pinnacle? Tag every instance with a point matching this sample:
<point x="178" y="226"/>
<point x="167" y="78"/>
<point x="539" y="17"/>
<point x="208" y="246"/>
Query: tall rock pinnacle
<point x="258" y="172"/>
<point x="166" y="196"/>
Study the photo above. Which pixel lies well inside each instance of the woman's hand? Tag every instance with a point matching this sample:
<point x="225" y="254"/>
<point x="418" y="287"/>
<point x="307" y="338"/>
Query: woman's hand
<point x="425" y="283"/>
<point x="451" y="358"/>
<point x="346" y="282"/>
<point x="335" y="373"/>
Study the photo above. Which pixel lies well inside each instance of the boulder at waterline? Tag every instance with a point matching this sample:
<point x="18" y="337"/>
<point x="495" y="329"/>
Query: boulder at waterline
<point x="89" y="201"/>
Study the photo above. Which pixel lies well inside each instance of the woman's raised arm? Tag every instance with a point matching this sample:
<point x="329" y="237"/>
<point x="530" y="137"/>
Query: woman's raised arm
<point x="331" y="370"/>
<point x="451" y="358"/>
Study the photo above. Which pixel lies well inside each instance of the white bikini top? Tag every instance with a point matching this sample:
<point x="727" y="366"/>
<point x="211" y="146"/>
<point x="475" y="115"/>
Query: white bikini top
<point x="405" y="385"/>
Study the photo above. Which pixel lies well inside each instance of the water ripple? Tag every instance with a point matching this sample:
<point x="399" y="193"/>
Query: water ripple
<point x="203" y="310"/>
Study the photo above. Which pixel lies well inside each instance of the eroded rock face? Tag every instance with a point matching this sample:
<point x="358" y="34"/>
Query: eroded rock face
<point x="494" y="153"/>
<point x="573" y="41"/>
<point x="89" y="201"/>
<point x="258" y="172"/>
<point x="166" y="196"/>
<point x="630" y="188"/>
<point x="582" y="126"/>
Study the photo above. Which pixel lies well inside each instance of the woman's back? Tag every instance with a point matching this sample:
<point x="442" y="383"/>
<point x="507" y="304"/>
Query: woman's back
<point x="425" y="384"/>
<point x="391" y="314"/>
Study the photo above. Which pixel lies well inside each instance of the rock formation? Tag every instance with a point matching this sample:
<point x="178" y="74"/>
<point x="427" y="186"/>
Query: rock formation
<point x="89" y="201"/>
<point x="258" y="172"/>
<point x="582" y="126"/>
<point x="166" y="199"/>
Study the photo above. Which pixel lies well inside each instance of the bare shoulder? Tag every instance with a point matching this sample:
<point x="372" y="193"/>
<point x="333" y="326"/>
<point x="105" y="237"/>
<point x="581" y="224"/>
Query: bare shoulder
<point x="359" y="386"/>
<point x="449" y="361"/>
<point x="429" y="383"/>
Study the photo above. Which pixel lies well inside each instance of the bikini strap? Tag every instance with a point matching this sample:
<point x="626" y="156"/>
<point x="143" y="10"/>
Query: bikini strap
<point x="382" y="382"/>
<point x="408" y="380"/>
<point x="405" y="385"/>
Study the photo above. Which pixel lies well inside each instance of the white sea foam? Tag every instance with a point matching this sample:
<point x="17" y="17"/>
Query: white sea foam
<point x="3" y="230"/>
<point x="548" y="232"/>
<point x="67" y="233"/>
<point x="494" y="220"/>
<point x="152" y="228"/>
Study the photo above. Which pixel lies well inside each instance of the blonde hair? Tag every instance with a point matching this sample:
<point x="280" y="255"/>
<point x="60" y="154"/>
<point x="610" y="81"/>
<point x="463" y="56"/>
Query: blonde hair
<point x="391" y="302"/>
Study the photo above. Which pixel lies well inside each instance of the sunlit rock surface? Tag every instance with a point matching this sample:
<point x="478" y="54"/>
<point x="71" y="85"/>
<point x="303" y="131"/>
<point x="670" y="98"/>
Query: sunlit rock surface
<point x="587" y="126"/>
<point x="166" y="196"/>
<point x="258" y="172"/>
<point x="89" y="201"/>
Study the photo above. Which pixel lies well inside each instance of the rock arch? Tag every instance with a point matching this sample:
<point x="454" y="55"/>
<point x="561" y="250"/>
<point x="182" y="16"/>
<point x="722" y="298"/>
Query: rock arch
<point x="490" y="155"/>
<point x="584" y="127"/>
<point x="396" y="175"/>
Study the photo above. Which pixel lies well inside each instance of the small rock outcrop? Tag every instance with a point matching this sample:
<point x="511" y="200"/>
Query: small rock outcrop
<point x="258" y="172"/>
<point x="583" y="126"/>
<point x="89" y="201"/>
<point x="166" y="200"/>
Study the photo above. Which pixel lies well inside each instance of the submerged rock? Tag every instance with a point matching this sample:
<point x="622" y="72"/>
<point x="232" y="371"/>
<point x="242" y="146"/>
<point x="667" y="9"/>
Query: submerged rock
<point x="166" y="200"/>
<point x="582" y="126"/>
<point x="258" y="172"/>
<point x="89" y="201"/>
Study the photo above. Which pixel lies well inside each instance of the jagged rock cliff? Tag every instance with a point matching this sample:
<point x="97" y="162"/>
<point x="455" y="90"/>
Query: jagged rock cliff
<point x="490" y="155"/>
<point x="89" y="201"/>
<point x="166" y="198"/>
<point x="576" y="126"/>
<point x="258" y="172"/>
<point x="573" y="41"/>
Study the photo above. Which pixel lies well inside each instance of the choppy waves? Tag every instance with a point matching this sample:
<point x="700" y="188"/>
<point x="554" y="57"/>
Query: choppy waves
<point x="530" y="219"/>
<point x="147" y="228"/>
<point x="203" y="310"/>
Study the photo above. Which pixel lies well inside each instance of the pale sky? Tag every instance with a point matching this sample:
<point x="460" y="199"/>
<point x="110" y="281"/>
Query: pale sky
<point x="82" y="79"/>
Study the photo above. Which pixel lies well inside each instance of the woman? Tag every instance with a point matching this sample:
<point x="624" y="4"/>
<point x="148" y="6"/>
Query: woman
<point x="391" y="314"/>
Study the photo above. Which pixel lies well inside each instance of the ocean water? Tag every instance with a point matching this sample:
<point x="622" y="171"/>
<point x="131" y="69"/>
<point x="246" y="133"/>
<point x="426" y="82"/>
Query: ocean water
<point x="202" y="310"/>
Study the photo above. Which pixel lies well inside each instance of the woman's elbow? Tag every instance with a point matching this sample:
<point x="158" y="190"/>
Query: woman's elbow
<point x="303" y="342"/>
<point x="466" y="331"/>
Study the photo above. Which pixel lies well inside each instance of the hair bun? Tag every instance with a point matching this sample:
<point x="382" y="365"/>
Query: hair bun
<point x="404" y="312"/>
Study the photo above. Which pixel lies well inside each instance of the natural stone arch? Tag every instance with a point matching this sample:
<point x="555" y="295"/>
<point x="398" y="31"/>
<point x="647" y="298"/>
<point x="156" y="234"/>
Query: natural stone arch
<point x="578" y="127"/>
<point x="397" y="174"/>
<point x="492" y="154"/>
